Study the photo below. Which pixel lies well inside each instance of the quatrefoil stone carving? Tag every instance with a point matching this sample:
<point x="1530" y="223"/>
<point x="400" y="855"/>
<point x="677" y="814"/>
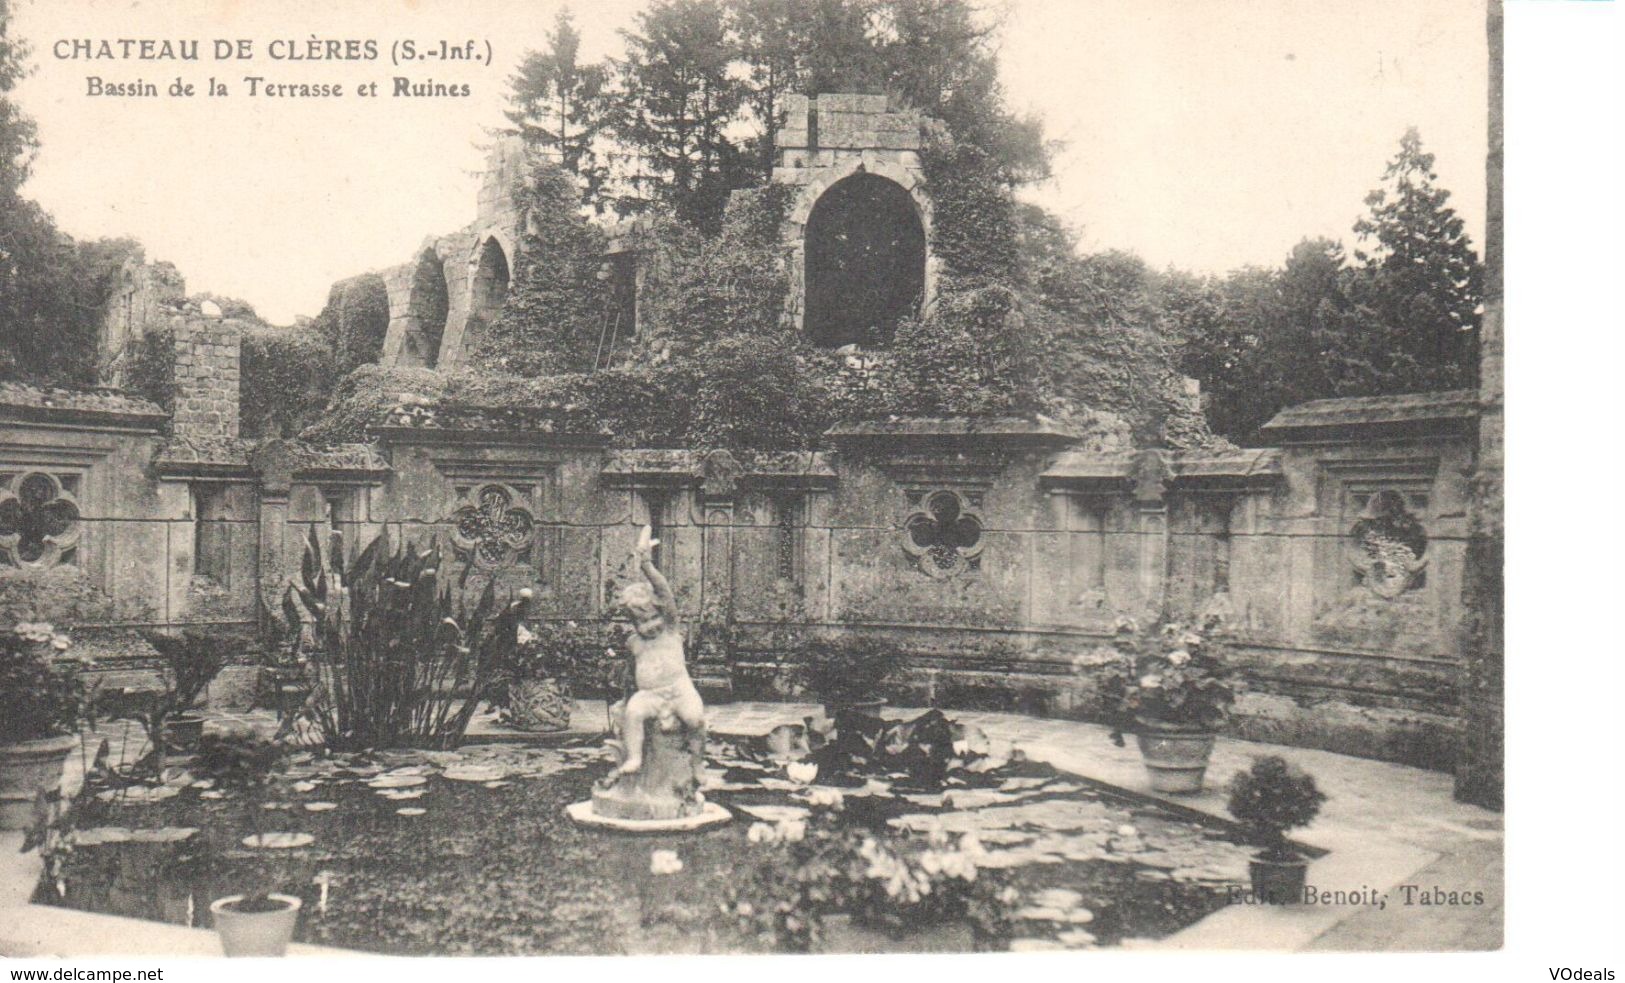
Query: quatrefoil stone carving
<point x="39" y="520"/>
<point x="493" y="527"/>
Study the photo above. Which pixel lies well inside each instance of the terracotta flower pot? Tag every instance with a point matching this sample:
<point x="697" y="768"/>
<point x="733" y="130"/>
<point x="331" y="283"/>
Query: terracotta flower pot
<point x="182" y="734"/>
<point x="255" y="933"/>
<point x="27" y="769"/>
<point x="1175" y="758"/>
<point x="1278" y="881"/>
<point x="539" y="705"/>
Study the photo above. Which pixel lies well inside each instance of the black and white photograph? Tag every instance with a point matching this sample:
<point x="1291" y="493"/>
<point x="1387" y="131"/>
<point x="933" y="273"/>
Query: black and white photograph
<point x="541" y="478"/>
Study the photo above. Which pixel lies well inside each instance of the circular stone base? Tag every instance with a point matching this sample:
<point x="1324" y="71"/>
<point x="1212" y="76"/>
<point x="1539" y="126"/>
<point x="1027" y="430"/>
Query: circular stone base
<point x="711" y="815"/>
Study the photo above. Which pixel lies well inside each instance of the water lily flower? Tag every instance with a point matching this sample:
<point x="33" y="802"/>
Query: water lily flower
<point x="827" y="798"/>
<point x="762" y="833"/>
<point x="801" y="772"/>
<point x="664" y="862"/>
<point x="1179" y="657"/>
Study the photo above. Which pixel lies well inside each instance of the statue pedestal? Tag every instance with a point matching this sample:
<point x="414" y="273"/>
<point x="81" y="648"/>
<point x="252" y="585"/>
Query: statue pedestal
<point x="662" y="796"/>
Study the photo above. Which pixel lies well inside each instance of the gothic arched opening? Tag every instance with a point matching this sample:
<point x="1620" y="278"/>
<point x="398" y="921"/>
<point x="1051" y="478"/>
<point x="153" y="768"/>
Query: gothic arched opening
<point x="490" y="289"/>
<point x="865" y="256"/>
<point x="428" y="306"/>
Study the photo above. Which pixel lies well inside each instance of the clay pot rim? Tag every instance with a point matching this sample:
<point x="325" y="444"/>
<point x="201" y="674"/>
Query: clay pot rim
<point x="289" y="903"/>
<point x="1146" y="725"/>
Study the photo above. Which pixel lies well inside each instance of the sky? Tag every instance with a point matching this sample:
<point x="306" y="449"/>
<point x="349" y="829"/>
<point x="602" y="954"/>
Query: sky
<point x="1201" y="134"/>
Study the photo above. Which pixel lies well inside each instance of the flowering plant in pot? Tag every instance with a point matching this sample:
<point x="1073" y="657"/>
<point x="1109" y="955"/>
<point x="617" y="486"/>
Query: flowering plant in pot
<point x="45" y="703"/>
<point x="257" y="922"/>
<point x="1269" y="799"/>
<point x="1172" y="688"/>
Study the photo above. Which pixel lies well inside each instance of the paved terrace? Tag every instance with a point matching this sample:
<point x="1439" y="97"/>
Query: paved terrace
<point x="1385" y="826"/>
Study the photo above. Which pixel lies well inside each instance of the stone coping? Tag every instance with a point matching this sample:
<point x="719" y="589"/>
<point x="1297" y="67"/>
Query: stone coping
<point x="1453" y="411"/>
<point x="107" y="408"/>
<point x="958" y="430"/>
<point x="1237" y="470"/>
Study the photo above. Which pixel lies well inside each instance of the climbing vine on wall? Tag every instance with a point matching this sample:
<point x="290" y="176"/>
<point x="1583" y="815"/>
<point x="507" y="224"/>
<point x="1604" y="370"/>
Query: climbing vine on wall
<point x="151" y="373"/>
<point x="286" y="378"/>
<point x="560" y="297"/>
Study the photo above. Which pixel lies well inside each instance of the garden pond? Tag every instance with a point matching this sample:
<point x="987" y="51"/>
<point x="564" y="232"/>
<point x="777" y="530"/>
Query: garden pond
<point x="470" y="852"/>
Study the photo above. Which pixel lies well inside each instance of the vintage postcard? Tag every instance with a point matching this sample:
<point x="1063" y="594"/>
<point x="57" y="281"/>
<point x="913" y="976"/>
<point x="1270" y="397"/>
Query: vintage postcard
<point x="750" y="477"/>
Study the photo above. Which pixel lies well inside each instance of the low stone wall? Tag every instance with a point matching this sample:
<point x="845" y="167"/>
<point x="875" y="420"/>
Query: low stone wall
<point x="989" y="553"/>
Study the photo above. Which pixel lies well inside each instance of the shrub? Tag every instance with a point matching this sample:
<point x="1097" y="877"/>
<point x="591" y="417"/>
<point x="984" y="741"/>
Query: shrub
<point x="42" y="696"/>
<point x="1271" y="798"/>
<point x="393" y="659"/>
<point x="844" y="670"/>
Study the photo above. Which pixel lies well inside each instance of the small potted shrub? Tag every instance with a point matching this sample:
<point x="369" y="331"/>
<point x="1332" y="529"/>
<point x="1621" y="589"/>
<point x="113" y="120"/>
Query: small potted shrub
<point x="1171" y="687"/>
<point x="45" y="702"/>
<point x="257" y="922"/>
<point x="1271" y="798"/>
<point x="845" y="674"/>
<point x="191" y="662"/>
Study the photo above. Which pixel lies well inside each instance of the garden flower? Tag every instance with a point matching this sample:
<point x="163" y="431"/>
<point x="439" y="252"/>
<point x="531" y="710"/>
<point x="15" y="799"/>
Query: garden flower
<point x="1127" y="830"/>
<point x="664" y="862"/>
<point x="525" y="593"/>
<point x="792" y="830"/>
<point x="971" y="844"/>
<point x="1179" y="657"/>
<point x="525" y="635"/>
<point x="826" y="798"/>
<point x="1150" y="682"/>
<point x="762" y="833"/>
<point x="801" y="772"/>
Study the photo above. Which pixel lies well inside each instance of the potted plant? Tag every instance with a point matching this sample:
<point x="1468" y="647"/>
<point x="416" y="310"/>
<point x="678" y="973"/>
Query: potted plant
<point x="846" y="674"/>
<point x="191" y="662"/>
<point x="258" y="922"/>
<point x="1171" y="687"/>
<point x="535" y="687"/>
<point x="45" y="702"/>
<point x="1271" y="798"/>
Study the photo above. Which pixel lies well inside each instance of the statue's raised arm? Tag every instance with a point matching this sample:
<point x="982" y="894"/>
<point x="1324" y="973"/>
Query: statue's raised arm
<point x="665" y="600"/>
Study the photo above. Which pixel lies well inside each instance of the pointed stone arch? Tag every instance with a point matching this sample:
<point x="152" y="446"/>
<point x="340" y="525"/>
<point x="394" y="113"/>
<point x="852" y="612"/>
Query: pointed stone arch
<point x="419" y="308"/>
<point x="873" y="173"/>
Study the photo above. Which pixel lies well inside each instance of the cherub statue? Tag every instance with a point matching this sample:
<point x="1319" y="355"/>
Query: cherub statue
<point x="664" y="692"/>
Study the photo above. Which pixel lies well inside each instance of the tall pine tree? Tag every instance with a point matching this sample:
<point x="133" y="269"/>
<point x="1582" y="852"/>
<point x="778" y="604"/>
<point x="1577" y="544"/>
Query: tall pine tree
<point x="560" y="106"/>
<point x="1421" y="280"/>
<point x="680" y="98"/>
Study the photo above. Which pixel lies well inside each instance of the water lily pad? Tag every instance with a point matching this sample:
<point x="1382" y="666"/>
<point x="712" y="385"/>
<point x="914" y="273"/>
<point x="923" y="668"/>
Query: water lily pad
<point x="162" y="834"/>
<point x="410" y="811"/>
<point x="397" y="781"/>
<point x="773" y="814"/>
<point x="320" y="806"/>
<point x="475" y="773"/>
<point x="497" y="784"/>
<point x="304" y="786"/>
<point x="210" y="794"/>
<point x="278" y="841"/>
<point x="397" y="795"/>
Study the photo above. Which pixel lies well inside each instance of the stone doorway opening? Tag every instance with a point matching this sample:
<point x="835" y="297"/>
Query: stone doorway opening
<point x="865" y="256"/>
